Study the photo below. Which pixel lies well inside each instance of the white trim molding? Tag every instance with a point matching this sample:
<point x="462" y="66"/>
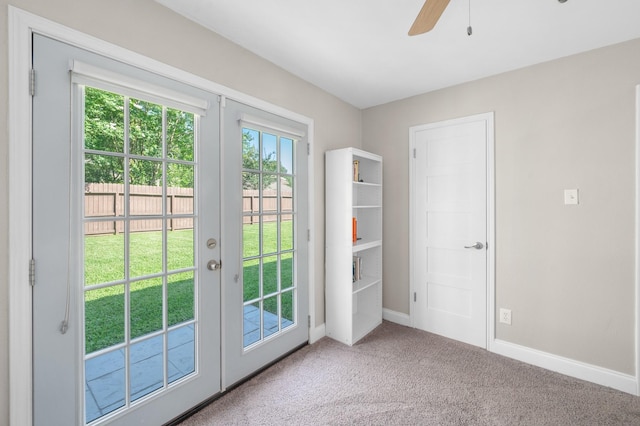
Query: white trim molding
<point x="396" y="317"/>
<point x="19" y="165"/>
<point x="316" y="333"/>
<point x="21" y="26"/>
<point x="569" y="367"/>
<point x="637" y="244"/>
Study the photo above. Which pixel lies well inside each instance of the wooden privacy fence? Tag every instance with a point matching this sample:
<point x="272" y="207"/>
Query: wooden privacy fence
<point x="106" y="200"/>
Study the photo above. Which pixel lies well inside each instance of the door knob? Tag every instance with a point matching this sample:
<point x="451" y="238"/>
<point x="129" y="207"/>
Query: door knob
<point x="476" y="246"/>
<point x="214" y="265"/>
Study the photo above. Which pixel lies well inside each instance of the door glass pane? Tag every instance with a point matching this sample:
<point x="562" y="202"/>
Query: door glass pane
<point x="286" y="193"/>
<point x="104" y="317"/>
<point x="268" y="211"/>
<point x="180" y="244"/>
<point x="180" y="192"/>
<point x="286" y="232"/>
<point x="269" y="152"/>
<point x="103" y="252"/>
<point x="180" y="298"/>
<point x="103" y="121"/>
<point x="145" y="247"/>
<point x="181" y="352"/>
<point x="145" y="303"/>
<point x="146" y="360"/>
<point x="250" y="149"/>
<point x="286" y="156"/>
<point x="251" y="324"/>
<point x="270" y="275"/>
<point x="286" y="268"/>
<point x="270" y="316"/>
<point x="105" y="388"/>
<point x="103" y="186"/>
<point x="145" y="128"/>
<point x="139" y="270"/>
<point x="251" y="279"/>
<point x="145" y="177"/>
<point x="251" y="236"/>
<point x="270" y="235"/>
<point x="180" y="134"/>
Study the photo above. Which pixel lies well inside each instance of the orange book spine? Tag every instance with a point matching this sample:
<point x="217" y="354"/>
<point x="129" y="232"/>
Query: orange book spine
<point x="354" y="230"/>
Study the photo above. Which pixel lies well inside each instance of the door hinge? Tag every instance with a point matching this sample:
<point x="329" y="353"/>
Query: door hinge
<point x="309" y="321"/>
<point x="308" y="234"/>
<point x="414" y="153"/>
<point x="32" y="272"/>
<point x="32" y="82"/>
<point x="415" y="296"/>
<point x="308" y="148"/>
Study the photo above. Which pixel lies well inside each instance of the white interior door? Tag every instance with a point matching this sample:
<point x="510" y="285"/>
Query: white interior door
<point x="449" y="228"/>
<point x="125" y="201"/>
<point x="265" y="275"/>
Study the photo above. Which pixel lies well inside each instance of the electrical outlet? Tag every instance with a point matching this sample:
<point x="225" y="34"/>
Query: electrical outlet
<point x="505" y="316"/>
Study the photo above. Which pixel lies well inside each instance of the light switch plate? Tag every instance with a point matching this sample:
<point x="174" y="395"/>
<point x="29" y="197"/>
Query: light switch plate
<point x="571" y="196"/>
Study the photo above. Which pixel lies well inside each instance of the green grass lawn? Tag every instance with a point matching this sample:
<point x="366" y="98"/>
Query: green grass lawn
<point x="104" y="262"/>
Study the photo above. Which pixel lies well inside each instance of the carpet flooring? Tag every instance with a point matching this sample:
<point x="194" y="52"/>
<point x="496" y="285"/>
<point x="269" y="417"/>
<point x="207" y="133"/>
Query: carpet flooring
<point x="402" y="376"/>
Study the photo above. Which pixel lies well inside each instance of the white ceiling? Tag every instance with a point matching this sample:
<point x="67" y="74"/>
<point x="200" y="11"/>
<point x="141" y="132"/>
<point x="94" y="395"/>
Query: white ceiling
<point x="359" y="50"/>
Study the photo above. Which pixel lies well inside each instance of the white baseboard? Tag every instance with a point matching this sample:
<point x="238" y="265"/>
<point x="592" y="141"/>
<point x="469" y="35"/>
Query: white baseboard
<point x="397" y="317"/>
<point x="317" y="333"/>
<point x="569" y="367"/>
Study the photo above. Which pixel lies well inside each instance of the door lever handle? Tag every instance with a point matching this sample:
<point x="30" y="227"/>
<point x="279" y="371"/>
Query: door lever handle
<point x="477" y="246"/>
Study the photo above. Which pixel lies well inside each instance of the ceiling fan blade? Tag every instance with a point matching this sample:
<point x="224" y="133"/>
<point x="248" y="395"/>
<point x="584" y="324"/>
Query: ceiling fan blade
<point x="428" y="16"/>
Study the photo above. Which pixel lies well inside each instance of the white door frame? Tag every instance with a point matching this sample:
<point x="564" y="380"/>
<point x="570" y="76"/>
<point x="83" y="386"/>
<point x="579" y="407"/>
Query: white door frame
<point x="21" y="25"/>
<point x="490" y="172"/>
<point x="637" y="244"/>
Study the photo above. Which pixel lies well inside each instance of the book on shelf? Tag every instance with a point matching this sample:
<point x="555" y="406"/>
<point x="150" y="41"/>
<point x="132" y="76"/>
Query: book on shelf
<point x="357" y="268"/>
<point x="356" y="170"/>
<point x="354" y="230"/>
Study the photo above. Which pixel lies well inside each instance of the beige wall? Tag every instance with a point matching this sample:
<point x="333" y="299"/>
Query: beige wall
<point x="566" y="272"/>
<point x="148" y="28"/>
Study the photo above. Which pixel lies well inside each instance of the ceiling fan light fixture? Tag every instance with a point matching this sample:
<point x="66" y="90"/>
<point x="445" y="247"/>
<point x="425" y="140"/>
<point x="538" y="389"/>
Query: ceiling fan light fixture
<point x="562" y="1"/>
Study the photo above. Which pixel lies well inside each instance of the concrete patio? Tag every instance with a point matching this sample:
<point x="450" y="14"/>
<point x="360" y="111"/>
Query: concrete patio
<point x="105" y="374"/>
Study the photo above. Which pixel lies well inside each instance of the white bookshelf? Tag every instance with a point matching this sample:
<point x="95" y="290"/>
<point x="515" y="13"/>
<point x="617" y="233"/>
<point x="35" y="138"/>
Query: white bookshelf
<point x="353" y="308"/>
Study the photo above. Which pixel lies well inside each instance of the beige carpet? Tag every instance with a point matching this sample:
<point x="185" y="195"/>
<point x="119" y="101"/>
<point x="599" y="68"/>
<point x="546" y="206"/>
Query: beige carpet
<point x="401" y="376"/>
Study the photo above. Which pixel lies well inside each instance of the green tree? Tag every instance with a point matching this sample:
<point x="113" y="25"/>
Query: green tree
<point x="104" y="131"/>
<point x="251" y="163"/>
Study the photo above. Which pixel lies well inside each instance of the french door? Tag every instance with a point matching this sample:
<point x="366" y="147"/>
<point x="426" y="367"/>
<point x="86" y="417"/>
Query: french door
<point x="126" y="216"/>
<point x="266" y="291"/>
<point x="134" y="319"/>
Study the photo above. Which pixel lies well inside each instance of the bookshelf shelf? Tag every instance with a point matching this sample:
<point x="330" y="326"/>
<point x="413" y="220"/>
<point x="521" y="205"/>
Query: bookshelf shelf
<point x="365" y="283"/>
<point x="364" y="245"/>
<point x="354" y="262"/>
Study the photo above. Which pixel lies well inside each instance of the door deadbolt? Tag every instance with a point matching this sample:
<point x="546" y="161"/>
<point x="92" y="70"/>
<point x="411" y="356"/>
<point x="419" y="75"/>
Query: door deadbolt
<point x="211" y="243"/>
<point x="214" y="265"/>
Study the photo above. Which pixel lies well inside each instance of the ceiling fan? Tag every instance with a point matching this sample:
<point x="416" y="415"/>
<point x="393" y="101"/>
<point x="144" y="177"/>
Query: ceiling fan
<point x="428" y="16"/>
<point x="431" y="12"/>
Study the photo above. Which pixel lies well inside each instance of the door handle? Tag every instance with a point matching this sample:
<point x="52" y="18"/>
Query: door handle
<point x="214" y="265"/>
<point x="477" y="246"/>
